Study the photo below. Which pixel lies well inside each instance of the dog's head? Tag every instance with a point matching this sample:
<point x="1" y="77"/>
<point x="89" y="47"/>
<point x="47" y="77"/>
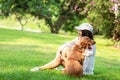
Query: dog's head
<point x="85" y="42"/>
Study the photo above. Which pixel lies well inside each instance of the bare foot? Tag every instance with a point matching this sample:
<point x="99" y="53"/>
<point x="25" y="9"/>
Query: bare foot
<point x="35" y="69"/>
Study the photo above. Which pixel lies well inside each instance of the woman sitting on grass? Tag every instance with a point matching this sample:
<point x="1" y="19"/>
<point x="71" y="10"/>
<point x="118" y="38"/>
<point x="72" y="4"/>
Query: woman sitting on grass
<point x="84" y="29"/>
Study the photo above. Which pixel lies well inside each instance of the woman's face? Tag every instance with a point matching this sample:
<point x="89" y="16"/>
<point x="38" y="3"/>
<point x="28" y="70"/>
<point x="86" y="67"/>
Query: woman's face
<point x="80" y="33"/>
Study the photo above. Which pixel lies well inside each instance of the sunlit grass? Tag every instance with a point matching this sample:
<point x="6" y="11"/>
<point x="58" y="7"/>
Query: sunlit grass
<point x="21" y="51"/>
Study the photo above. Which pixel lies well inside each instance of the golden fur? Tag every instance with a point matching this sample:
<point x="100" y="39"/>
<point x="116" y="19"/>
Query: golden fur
<point x="73" y="58"/>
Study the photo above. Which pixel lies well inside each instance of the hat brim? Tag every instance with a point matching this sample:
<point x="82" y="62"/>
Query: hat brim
<point x="78" y="28"/>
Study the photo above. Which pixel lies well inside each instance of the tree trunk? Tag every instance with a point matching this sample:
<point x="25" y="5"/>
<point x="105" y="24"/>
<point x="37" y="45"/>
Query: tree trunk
<point x="58" y="24"/>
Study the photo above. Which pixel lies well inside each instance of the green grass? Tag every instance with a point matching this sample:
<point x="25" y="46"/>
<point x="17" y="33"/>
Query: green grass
<point x="21" y="51"/>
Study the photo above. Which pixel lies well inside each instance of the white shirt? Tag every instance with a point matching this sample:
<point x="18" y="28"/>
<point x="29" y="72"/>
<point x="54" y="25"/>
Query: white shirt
<point x="88" y="65"/>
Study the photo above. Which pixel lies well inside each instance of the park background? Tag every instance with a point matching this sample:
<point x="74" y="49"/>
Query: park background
<point x="32" y="30"/>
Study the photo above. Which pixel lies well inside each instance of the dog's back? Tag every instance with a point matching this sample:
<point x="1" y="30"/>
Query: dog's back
<point x="72" y="58"/>
<point x="73" y="68"/>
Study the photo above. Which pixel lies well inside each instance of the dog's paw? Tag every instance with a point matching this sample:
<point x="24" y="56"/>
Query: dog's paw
<point x="35" y="69"/>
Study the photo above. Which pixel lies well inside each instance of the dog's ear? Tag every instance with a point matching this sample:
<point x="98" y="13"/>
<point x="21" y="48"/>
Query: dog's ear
<point x="92" y="42"/>
<point x="80" y="44"/>
<point x="83" y="45"/>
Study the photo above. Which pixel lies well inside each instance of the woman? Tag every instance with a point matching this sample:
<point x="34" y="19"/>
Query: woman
<point x="84" y="29"/>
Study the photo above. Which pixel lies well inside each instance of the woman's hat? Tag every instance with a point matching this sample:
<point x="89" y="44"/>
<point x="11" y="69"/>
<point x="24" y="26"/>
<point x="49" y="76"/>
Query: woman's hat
<point x="84" y="26"/>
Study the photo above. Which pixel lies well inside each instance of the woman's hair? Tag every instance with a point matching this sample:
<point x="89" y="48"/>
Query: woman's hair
<point x="87" y="33"/>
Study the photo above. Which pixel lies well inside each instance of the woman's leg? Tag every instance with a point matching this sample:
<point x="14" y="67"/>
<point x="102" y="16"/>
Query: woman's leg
<point x="54" y="63"/>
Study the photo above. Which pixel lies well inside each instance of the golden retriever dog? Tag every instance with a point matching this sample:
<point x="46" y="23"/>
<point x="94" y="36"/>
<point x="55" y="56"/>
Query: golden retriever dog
<point x="71" y="58"/>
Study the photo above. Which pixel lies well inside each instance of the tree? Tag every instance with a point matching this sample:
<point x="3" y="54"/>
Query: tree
<point x="56" y="13"/>
<point x="105" y="16"/>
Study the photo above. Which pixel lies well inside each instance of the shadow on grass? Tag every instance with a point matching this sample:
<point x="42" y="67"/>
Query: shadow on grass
<point x="53" y="75"/>
<point x="27" y="75"/>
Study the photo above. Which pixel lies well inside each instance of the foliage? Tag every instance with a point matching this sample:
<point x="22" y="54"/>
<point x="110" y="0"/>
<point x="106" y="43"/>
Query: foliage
<point x="105" y="17"/>
<point x="56" y="13"/>
<point x="65" y="14"/>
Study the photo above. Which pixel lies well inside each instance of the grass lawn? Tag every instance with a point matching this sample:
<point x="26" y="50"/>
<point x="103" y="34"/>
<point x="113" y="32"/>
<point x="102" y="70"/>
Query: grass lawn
<point x="21" y="51"/>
